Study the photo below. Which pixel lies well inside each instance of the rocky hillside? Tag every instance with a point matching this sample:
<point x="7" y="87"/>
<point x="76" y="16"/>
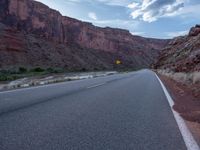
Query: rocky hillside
<point x="183" y="53"/>
<point x="32" y="34"/>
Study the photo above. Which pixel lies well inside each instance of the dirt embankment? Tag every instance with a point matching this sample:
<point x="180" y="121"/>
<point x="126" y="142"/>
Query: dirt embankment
<point x="186" y="97"/>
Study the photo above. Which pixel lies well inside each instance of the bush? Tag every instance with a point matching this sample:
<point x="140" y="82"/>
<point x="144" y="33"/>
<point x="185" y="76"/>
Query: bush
<point x="50" y="70"/>
<point x="59" y="70"/>
<point x="83" y="69"/>
<point x="38" y="69"/>
<point x="22" y="70"/>
<point x="7" y="78"/>
<point x="3" y="78"/>
<point x="55" y="70"/>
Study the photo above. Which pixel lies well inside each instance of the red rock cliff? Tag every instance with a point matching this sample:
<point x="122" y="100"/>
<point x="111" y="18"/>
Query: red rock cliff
<point x="31" y="17"/>
<point x="183" y="53"/>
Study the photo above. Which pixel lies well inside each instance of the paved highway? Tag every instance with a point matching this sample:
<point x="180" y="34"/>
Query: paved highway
<point x="119" y="112"/>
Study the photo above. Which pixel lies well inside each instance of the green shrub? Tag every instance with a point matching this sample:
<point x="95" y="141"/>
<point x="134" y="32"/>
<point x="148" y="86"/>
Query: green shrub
<point x="50" y="70"/>
<point x="3" y="78"/>
<point x="83" y="69"/>
<point x="22" y="70"/>
<point x="8" y="77"/>
<point x="58" y="70"/>
<point x="38" y="69"/>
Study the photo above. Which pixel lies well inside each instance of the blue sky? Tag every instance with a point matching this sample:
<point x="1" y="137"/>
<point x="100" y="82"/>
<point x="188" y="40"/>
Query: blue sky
<point x="149" y="18"/>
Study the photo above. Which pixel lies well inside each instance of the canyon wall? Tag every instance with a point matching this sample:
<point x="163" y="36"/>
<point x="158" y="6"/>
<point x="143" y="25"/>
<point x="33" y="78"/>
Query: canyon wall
<point x="183" y="53"/>
<point x="24" y="23"/>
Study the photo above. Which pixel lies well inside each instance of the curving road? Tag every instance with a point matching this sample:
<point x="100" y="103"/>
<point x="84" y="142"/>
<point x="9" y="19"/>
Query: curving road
<point x="119" y="112"/>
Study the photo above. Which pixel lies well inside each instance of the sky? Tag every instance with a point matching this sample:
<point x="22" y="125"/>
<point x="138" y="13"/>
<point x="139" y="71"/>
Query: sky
<point x="149" y="18"/>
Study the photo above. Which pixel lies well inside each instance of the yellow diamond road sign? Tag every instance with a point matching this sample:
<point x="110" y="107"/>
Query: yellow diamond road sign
<point x="118" y="62"/>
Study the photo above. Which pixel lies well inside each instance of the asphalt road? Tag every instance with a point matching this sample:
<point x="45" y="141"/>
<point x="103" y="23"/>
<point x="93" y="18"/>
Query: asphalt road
<point x="119" y="112"/>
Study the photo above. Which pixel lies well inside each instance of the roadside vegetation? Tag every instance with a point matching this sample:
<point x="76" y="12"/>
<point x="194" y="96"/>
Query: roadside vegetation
<point x="21" y="72"/>
<point x="191" y="77"/>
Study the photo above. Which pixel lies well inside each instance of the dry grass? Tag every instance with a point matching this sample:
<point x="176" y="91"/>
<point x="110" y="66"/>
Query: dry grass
<point x="193" y="77"/>
<point x="196" y="77"/>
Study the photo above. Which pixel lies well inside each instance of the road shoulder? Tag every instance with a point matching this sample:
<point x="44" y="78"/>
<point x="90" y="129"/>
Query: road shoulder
<point x="186" y="103"/>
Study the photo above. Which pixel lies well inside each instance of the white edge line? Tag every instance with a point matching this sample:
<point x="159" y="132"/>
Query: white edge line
<point x="189" y="140"/>
<point x="96" y="85"/>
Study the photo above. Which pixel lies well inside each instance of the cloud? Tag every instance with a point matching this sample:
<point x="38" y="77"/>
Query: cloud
<point x="123" y="3"/>
<point x="116" y="23"/>
<point x="151" y="10"/>
<point x="115" y="2"/>
<point x="190" y="10"/>
<point x="74" y="0"/>
<point x="92" y="15"/>
<point x="138" y="33"/>
<point x="176" y="33"/>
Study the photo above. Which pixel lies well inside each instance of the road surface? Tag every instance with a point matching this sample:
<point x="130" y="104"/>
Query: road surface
<point x="119" y="112"/>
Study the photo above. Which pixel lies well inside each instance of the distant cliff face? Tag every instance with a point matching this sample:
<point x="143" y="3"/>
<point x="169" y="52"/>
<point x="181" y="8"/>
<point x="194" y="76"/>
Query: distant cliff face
<point x="36" y="19"/>
<point x="183" y="53"/>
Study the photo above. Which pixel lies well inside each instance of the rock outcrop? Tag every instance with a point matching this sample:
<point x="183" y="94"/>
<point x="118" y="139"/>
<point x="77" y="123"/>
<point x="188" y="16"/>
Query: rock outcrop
<point x="25" y="23"/>
<point x="182" y="54"/>
<point x="194" y="31"/>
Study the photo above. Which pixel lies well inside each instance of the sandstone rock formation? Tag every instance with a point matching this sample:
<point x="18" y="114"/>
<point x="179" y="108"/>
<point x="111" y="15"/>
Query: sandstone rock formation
<point x="32" y="34"/>
<point x="194" y="31"/>
<point x="182" y="54"/>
